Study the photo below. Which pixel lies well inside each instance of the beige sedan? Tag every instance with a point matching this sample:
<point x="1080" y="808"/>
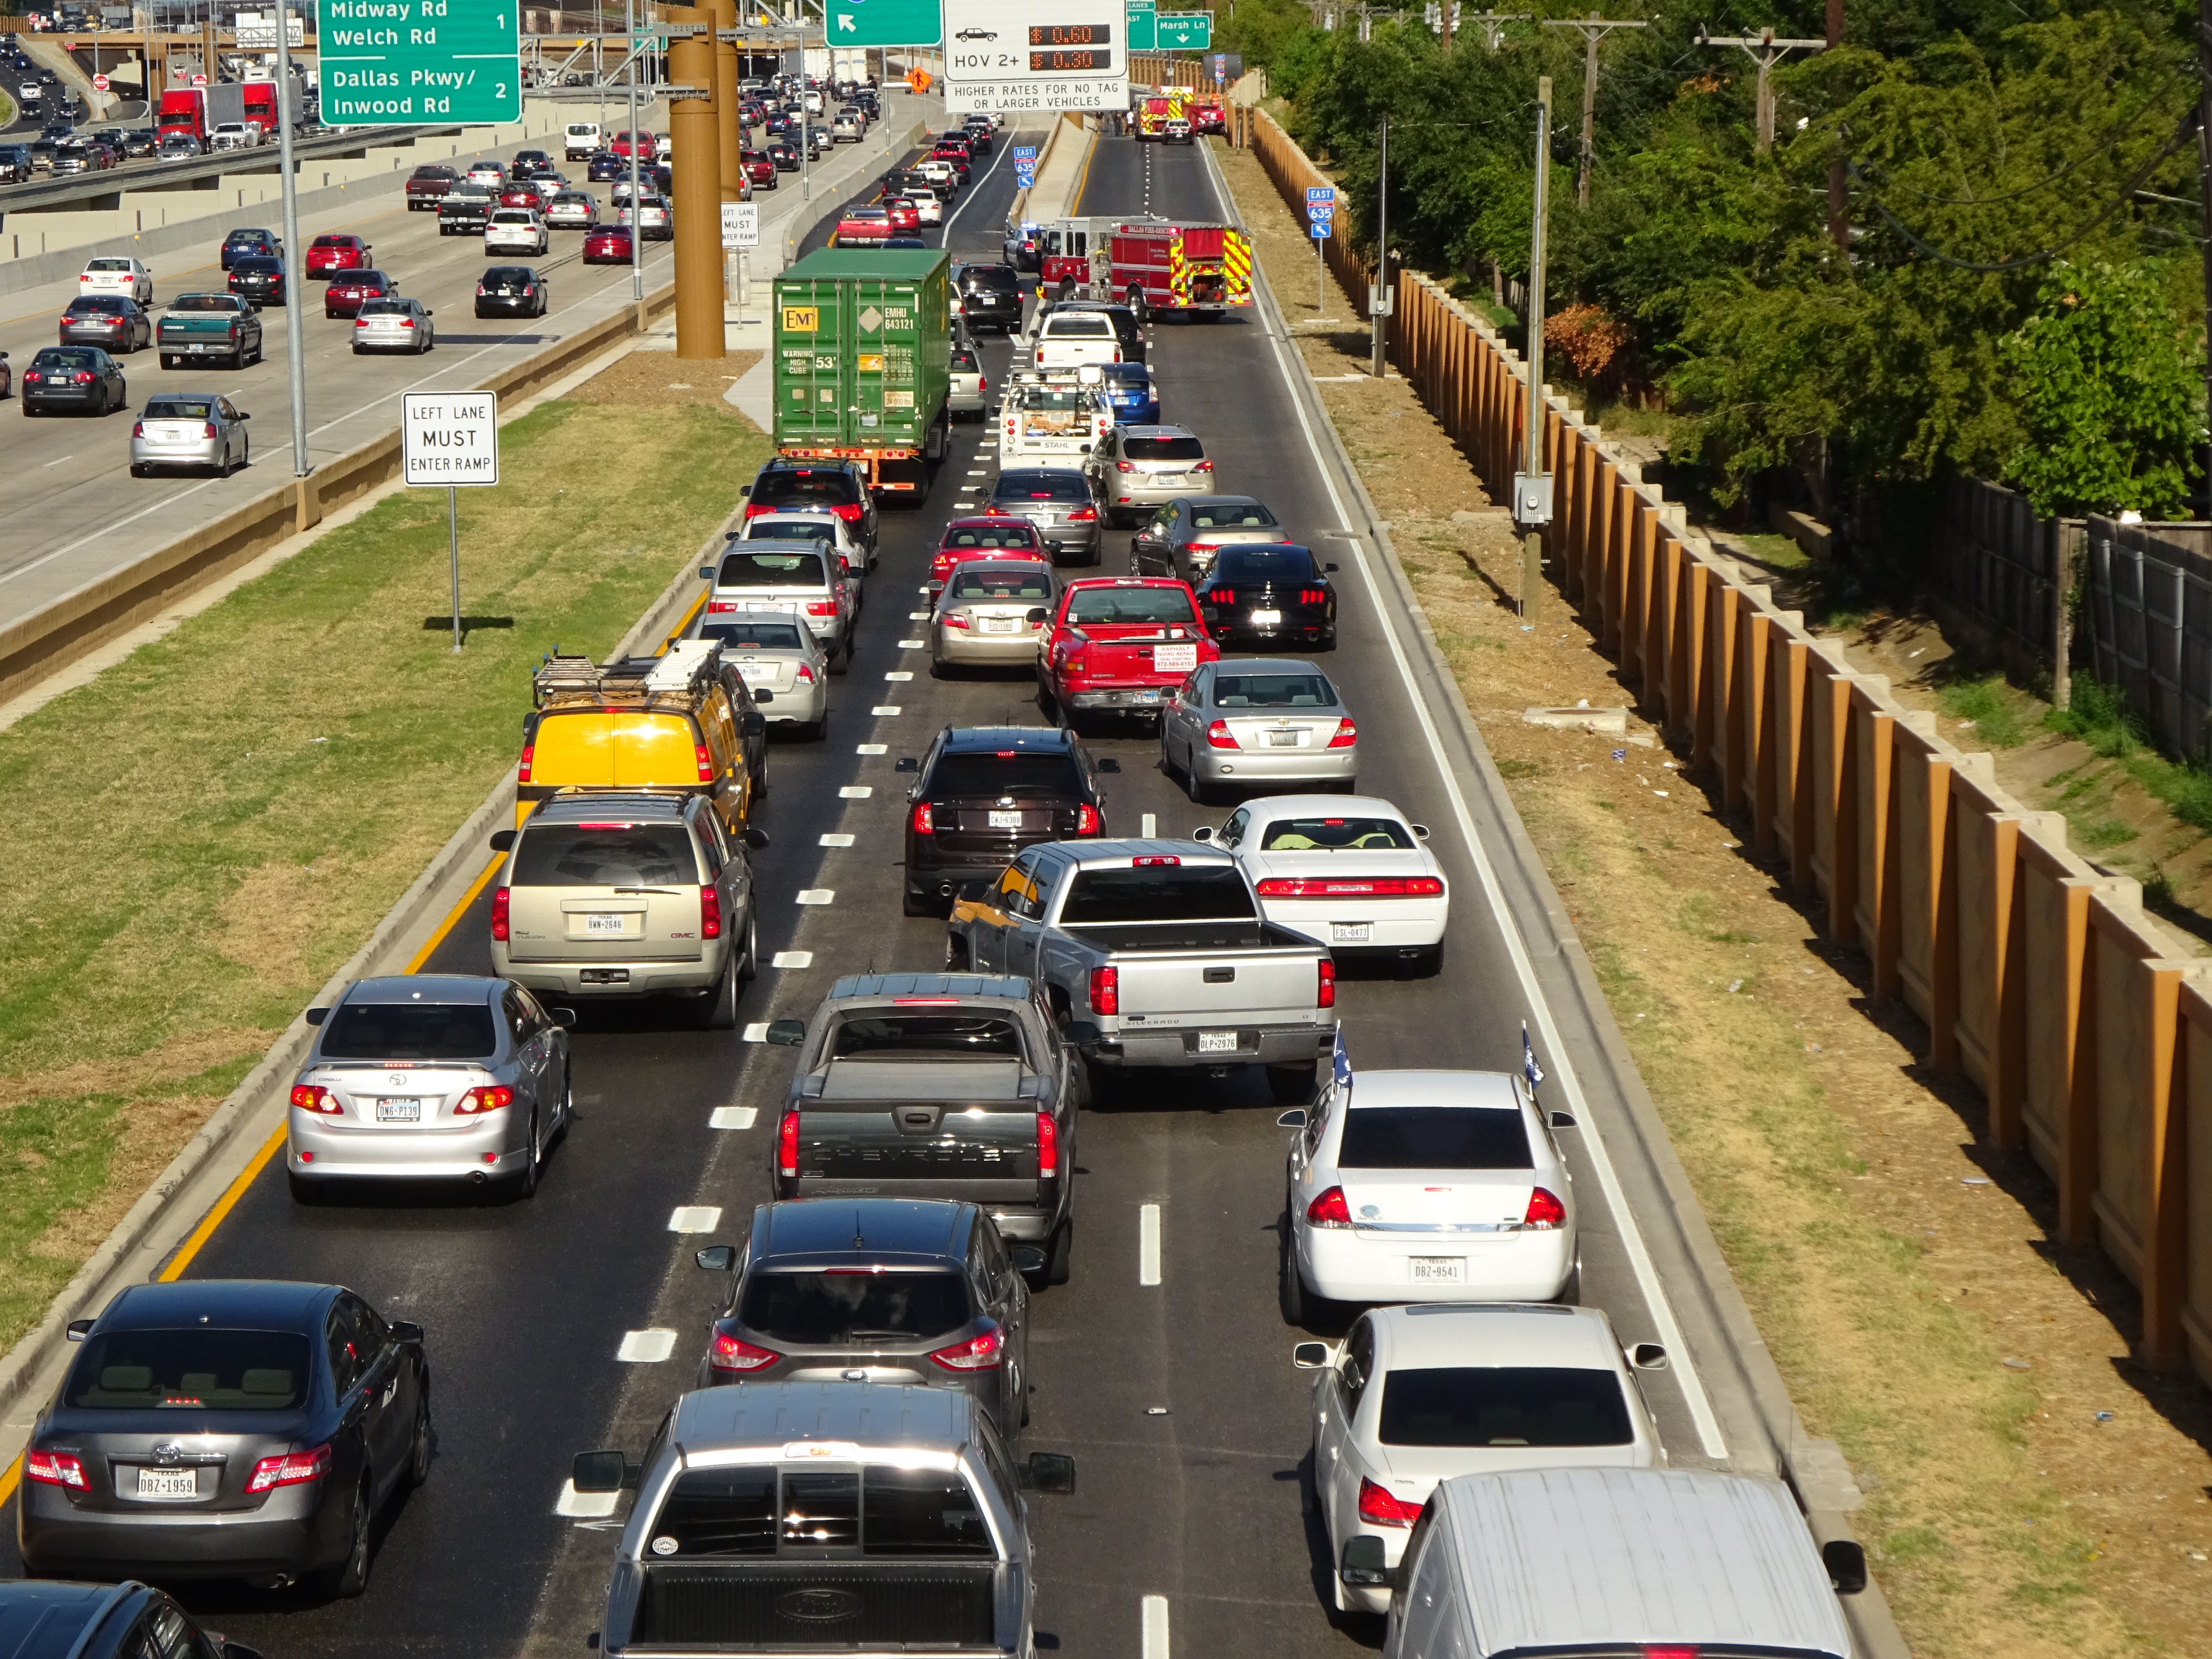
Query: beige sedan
<point x="992" y="614"/>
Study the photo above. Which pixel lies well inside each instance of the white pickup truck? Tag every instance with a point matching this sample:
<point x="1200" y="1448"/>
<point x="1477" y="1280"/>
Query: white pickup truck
<point x="1046" y="420"/>
<point x="1155" y="953"/>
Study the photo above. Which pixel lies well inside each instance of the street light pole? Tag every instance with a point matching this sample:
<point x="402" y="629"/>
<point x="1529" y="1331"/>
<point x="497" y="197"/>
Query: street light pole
<point x="1531" y="496"/>
<point x="295" y="361"/>
<point x="1378" y="298"/>
<point x="636" y="216"/>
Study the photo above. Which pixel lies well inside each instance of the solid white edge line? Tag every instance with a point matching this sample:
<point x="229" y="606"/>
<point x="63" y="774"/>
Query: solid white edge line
<point x="1148" y="1244"/>
<point x="1639" y="1254"/>
<point x="1155" y="1627"/>
<point x="999" y="154"/>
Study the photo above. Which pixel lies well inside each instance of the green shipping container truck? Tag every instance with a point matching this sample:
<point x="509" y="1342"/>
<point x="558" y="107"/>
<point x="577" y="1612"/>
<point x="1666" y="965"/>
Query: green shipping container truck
<point x="864" y="361"/>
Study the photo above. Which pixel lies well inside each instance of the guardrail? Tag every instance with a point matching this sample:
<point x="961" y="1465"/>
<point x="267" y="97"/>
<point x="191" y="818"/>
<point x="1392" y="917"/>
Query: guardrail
<point x="54" y="195"/>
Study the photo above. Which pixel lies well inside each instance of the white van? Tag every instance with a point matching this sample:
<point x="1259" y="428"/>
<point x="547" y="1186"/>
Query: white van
<point x="1560" y="1561"/>
<point x="582" y="141"/>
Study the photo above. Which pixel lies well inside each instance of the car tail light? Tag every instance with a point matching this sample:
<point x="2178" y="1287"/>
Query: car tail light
<point x="1325" y="991"/>
<point x="52" y="1468"/>
<point x="1329" y="1210"/>
<point x="803" y="674"/>
<point x="208" y="430"/>
<point x="482" y="290"/>
<point x="1106" y="991"/>
<point x="1380" y="1507"/>
<point x="1081" y="515"/>
<point x="1670" y="1650"/>
<point x="522" y="770"/>
<point x="1545" y="1210"/>
<point x="1219" y="596"/>
<point x="1203" y="466"/>
<point x="1048" y="1147"/>
<point x="710" y="913"/>
<point x="492" y="1098"/>
<point x="786" y="1145"/>
<point x="982" y="383"/>
<point x="956" y="620"/>
<point x="310" y="1098"/>
<point x="289" y="1469"/>
<point x="1086" y="818"/>
<point x="138" y="428"/>
<point x="1350" y="887"/>
<point x="1313" y="596"/>
<point x="715" y="605"/>
<point x="978" y="1353"/>
<point x="1154" y="859"/>
<point x="83" y="377"/>
<point x="499" y="914"/>
<point x="849" y="513"/>
<point x="706" y="763"/>
<point x="1124" y="466"/>
<point x="924" y="822"/>
<point x="1347" y="734"/>
<point x="729" y="1354"/>
<point x="1207" y="548"/>
<point x="1219" y="736"/>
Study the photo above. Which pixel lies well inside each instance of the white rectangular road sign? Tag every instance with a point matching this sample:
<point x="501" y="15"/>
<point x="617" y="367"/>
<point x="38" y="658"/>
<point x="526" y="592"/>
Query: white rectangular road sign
<point x="1018" y="56"/>
<point x="740" y="224"/>
<point x="450" y="438"/>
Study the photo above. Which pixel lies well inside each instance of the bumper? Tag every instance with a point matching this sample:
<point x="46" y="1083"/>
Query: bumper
<point x="965" y="645"/>
<point x="512" y="244"/>
<point x="200" y="453"/>
<point x="614" y="981"/>
<point x="1258" y="766"/>
<point x="200" y="347"/>
<point x="796" y="707"/>
<point x="408" y="341"/>
<point x="966" y="402"/>
<point x="1391" y="924"/>
<point x="108" y="339"/>
<point x="74" y="397"/>
<point x="1131" y="699"/>
<point x="321" y="1146"/>
<point x="932" y="880"/>
<point x="1351" y="1265"/>
<point x="493" y="307"/>
<point x="286" y="1535"/>
<point x="1256" y="1045"/>
<point x="1079" y="540"/>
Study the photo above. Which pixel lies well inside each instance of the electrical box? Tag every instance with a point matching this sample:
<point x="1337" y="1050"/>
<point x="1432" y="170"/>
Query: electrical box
<point x="1532" y="500"/>
<point x="1380" y="304"/>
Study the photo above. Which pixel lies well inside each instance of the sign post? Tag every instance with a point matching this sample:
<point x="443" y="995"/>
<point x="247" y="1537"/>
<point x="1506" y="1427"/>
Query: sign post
<point x="450" y="439"/>
<point x="1321" y="216"/>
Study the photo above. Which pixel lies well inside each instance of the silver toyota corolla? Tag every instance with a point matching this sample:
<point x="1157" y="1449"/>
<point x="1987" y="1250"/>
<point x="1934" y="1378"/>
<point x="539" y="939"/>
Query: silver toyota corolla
<point x="780" y="659"/>
<point x="1257" y="724"/>
<point x="992" y="614"/>
<point x="189" y="428"/>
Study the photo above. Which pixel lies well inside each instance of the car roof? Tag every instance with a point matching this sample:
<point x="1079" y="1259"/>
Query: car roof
<point x="1266" y="665"/>
<point x="598" y="806"/>
<point x="884" y="988"/>
<point x="835" y="1229"/>
<point x="426" y="987"/>
<point x="243" y="1303"/>
<point x="1161" y="431"/>
<point x="1438" y="1088"/>
<point x="1109" y="855"/>
<point x="988" y="521"/>
<point x="1496" y="1334"/>
<point x="1266" y="808"/>
<point x="1127" y="582"/>
<point x="907" y="1416"/>
<point x="972" y="739"/>
<point x="48" y="1618"/>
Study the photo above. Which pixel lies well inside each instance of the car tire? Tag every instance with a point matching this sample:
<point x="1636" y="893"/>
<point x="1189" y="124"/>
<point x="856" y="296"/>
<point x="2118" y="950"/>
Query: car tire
<point x="351" y="1576"/>
<point x="533" y="1158"/>
<point x="842" y="661"/>
<point x="918" y="904"/>
<point x="168" y="360"/>
<point x="941" y="671"/>
<point x="749" y="965"/>
<point x="1195" y="787"/>
<point x="418" y="1445"/>
<point x="718" y="1010"/>
<point x="1060" y="1253"/>
<point x="1571" y="1293"/>
<point x="1289" y="1288"/>
<point x="137" y="471"/>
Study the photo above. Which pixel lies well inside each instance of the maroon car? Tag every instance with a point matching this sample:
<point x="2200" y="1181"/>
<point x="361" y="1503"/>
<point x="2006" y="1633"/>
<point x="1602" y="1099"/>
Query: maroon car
<point x="428" y="186"/>
<point x="607" y="245"/>
<point x="347" y="288"/>
<point x="524" y="195"/>
<point x="760" y="168"/>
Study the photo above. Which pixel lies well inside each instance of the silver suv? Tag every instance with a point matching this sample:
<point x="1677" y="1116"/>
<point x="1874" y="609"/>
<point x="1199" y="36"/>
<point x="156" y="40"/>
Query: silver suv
<point x="609" y="896"/>
<point x="1136" y="469"/>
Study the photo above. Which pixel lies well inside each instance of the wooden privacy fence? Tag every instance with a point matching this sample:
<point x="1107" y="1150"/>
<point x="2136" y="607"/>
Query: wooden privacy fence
<point x="2146" y="622"/>
<point x="2035" y="974"/>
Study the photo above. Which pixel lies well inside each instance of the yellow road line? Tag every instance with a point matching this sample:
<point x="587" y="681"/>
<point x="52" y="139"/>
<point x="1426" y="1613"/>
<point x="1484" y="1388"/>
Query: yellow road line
<point x="452" y="916"/>
<point x="214" y="1218"/>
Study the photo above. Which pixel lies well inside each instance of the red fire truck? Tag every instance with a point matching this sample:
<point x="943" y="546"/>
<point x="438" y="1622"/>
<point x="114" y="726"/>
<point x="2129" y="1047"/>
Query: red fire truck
<point x="1153" y="114"/>
<point x="1207" y="113"/>
<point x="1150" y="264"/>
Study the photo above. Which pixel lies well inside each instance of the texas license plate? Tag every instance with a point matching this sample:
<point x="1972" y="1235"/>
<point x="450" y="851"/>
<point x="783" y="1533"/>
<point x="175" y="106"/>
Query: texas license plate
<point x="1282" y="739"/>
<point x="1217" y="1042"/>
<point x="399" y="1111"/>
<point x="168" y="1483"/>
<point x="1438" y="1269"/>
<point x="1005" y="820"/>
<point x="1350" y="932"/>
<point x="1002" y="624"/>
<point x="603" y="925"/>
<point x="1266" y="619"/>
<point x="1174" y="659"/>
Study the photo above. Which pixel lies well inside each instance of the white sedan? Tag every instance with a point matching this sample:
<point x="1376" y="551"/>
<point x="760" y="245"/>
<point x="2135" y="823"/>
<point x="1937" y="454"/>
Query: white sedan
<point x="1426" y="1187"/>
<point x="1350" y="872"/>
<point x="800" y="524"/>
<point x="517" y="230"/>
<point x="127" y="278"/>
<point x="1416" y="1395"/>
<point x="926" y="207"/>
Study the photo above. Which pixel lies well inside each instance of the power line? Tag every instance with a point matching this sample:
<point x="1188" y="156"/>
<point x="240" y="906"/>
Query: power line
<point x="1592" y="29"/>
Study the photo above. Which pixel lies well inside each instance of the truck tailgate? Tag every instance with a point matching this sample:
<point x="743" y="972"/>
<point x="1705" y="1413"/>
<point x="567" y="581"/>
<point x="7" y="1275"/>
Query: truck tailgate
<point x="781" y="1606"/>
<point x="1177" y="974"/>
<point x="914" y="1131"/>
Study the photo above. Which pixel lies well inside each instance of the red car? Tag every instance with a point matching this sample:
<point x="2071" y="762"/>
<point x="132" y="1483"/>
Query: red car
<point x="328" y="254"/>
<point x="955" y="151"/>
<point x="607" y="245"/>
<point x="1121" y="645"/>
<point x="349" y="288"/>
<point x="760" y="168"/>
<point x="987" y="536"/>
<point x="863" y="226"/>
<point x="524" y="195"/>
<point x="641" y="141"/>
<point x="905" y="217"/>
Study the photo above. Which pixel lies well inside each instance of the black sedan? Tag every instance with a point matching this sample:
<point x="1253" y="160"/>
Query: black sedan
<point x="1264" y="594"/>
<point x="83" y="379"/>
<point x="530" y="164"/>
<point x="249" y="244"/>
<point x="987" y="792"/>
<point x="785" y="155"/>
<point x="605" y="166"/>
<point x="226" y="1429"/>
<point x="260" y="279"/>
<point x="513" y="291"/>
<point x="106" y="320"/>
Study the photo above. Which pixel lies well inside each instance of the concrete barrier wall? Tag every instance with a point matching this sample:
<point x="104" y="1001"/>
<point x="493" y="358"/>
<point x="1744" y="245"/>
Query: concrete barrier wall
<point x="2036" y="977"/>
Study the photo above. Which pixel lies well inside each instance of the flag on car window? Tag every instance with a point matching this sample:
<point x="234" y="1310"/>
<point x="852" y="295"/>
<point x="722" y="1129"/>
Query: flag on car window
<point x="1529" y="1068"/>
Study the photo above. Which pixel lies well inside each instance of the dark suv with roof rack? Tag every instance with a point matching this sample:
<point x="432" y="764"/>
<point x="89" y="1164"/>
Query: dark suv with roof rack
<point x="790" y="485"/>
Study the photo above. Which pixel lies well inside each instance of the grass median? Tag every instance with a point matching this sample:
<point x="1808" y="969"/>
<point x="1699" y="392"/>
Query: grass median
<point x="202" y="835"/>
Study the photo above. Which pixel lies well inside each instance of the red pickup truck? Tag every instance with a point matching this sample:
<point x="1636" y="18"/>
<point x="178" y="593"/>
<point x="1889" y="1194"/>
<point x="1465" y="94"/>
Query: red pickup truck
<point x="428" y="186"/>
<point x="1121" y="645"/>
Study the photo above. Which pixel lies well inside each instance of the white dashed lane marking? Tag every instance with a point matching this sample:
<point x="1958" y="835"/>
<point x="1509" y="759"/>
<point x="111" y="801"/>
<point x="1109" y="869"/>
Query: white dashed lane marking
<point x="836" y="838"/>
<point x="854" y="792"/>
<point x="910" y="645"/>
<point x="1148" y="1245"/>
<point x="1155" y="1627"/>
<point x="898" y="676"/>
<point x="732" y="1117"/>
<point x="584" y="1505"/>
<point x="870" y="749"/>
<point x="888" y="709"/>
<point x="818" y="895"/>
<point x="792" y="959"/>
<point x="696" y="1218"/>
<point x="645" y="1347"/>
<point x="756" y="1032"/>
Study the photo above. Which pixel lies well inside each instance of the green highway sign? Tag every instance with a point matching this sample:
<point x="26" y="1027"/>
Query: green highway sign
<point x="1142" y="34"/>
<point x="883" y="22"/>
<point x="1183" y="31"/>
<point x="400" y="63"/>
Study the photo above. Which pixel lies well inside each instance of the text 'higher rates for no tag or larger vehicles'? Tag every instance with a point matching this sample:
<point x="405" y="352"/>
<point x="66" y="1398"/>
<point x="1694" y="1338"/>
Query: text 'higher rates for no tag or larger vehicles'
<point x="864" y="361"/>
<point x="396" y="64"/>
<point x="1009" y="55"/>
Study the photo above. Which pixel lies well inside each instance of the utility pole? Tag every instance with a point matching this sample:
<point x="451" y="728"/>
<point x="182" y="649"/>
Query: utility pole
<point x="636" y="229"/>
<point x="1492" y="24"/>
<point x="1839" y="230"/>
<point x="1594" y="29"/>
<point x="1532" y="485"/>
<point x="1766" y="51"/>
<point x="1378" y="297"/>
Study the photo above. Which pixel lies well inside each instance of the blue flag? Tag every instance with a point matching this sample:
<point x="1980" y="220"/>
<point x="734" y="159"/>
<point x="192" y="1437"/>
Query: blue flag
<point x="1529" y="1068"/>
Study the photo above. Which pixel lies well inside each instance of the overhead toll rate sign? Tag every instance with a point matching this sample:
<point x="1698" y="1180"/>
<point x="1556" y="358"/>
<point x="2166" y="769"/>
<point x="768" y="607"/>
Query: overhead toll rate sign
<point x="397" y="63"/>
<point x="883" y="22"/>
<point x="1017" y="56"/>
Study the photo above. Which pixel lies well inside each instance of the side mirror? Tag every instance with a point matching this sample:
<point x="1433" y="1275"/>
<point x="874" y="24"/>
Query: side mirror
<point x="1086" y="449"/>
<point x="1051" y="1472"/>
<point x="744" y="490"/>
<point x="1108" y="764"/>
<point x="706" y="571"/>
<point x="1293" y="1118"/>
<point x="1421" y="830"/>
<point x="764" y="696"/>
<point x="1328" y="567"/>
<point x="906" y="764"/>
<point x="1204" y="832"/>
<point x="1038" y="614"/>
<point x="503" y="841"/>
<point x="406" y="1330"/>
<point x="1081" y="1032"/>
<point x="1363" y="1563"/>
<point x="1562" y="1120"/>
<point x="787" y="1033"/>
<point x="758" y="840"/>
<point x="79" y="1329"/>
<point x="1648" y="1357"/>
<point x="243" y="416"/>
<point x="1028" y="1259"/>
<point x="1311" y="1356"/>
<point x="602" y="1471"/>
<point x="756" y="725"/>
<point x="718" y="1258"/>
<point x="1845" y="1561"/>
<point x="317" y="1016"/>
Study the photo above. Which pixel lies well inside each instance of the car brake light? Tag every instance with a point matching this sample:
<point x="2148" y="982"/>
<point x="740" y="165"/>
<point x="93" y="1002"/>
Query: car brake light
<point x="730" y="1354"/>
<point x="978" y="1353"/>
<point x="982" y="383"/>
<point x="289" y="1469"/>
<point x="208" y="430"/>
<point x="1048" y="1147"/>
<point x="83" y="377"/>
<point x="1347" y="734"/>
<point x="1106" y="991"/>
<point x="720" y="606"/>
<point x="522" y="771"/>
<point x="406" y="322"/>
<point x="1083" y="515"/>
<point x="51" y="1468"/>
<point x="1350" y="887"/>
<point x="710" y="913"/>
<point x="1124" y="466"/>
<point x="1086" y="818"/>
<point x="1380" y="1507"/>
<point x="1219" y="736"/>
<point x="310" y="1098"/>
<point x="924" y="822"/>
<point x="1545" y="1210"/>
<point x="1669" y="1651"/>
<point x="493" y="1098"/>
<point x="850" y="513"/>
<point x="820" y="607"/>
<point x="361" y="322"/>
<point x="706" y="763"/>
<point x="1329" y="1210"/>
<point x="804" y="674"/>
<point x="956" y="620"/>
<point x="1325" y="992"/>
<point x="786" y="1145"/>
<point x="138" y="429"/>
<point x="499" y="924"/>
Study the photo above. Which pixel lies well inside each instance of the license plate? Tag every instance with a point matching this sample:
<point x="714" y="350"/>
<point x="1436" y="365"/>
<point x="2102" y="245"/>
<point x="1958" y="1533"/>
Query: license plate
<point x="1005" y="820"/>
<point x="1267" y="618"/>
<point x="1350" y="932"/>
<point x="1174" y="659"/>
<point x="399" y="1111"/>
<point x="599" y="925"/>
<point x="168" y="1483"/>
<point x="1217" y="1042"/>
<point x="1438" y="1269"/>
<point x="1002" y="624"/>
<point x="1282" y="739"/>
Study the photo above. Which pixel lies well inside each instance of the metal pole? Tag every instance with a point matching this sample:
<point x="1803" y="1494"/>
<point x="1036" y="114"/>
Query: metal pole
<point x="1589" y="113"/>
<point x="1379" y="301"/>
<point x="636" y="230"/>
<point x="295" y="345"/>
<point x="453" y="542"/>
<point x="1532" y="431"/>
<point x="1321" y="272"/>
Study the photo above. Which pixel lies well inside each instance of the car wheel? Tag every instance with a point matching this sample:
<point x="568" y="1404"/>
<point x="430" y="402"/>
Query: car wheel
<point x="1571" y="1293"/>
<point x="751" y="964"/>
<point x="418" y="1447"/>
<point x="843" y="660"/>
<point x="168" y="360"/>
<point x="1289" y="1288"/>
<point x="912" y="903"/>
<point x="351" y="1576"/>
<point x="1192" y="785"/>
<point x="1291" y="1085"/>
<point x="718" y="1010"/>
<point x="941" y="671"/>
<point x="526" y="1183"/>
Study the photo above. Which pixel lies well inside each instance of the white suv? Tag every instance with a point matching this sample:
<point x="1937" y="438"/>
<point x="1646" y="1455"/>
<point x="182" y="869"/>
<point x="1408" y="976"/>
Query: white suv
<point x="517" y="230"/>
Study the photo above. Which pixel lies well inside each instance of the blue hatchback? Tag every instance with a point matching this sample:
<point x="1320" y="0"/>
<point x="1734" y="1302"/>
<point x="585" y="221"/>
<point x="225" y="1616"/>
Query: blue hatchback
<point x="1129" y="388"/>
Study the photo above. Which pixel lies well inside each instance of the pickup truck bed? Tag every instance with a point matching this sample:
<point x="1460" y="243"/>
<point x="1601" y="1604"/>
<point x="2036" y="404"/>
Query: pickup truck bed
<point x="749" y="1605"/>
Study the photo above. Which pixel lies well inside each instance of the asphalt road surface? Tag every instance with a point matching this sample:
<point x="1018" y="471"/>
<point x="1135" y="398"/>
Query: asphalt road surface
<point x="1178" y="1400"/>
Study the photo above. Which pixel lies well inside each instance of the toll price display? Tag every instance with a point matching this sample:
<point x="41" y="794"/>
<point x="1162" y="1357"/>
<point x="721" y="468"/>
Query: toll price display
<point x="1071" y="34"/>
<point x="1065" y="63"/>
<point x="1018" y="56"/>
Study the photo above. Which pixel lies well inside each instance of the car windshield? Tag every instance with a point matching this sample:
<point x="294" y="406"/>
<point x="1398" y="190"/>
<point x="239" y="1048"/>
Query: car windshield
<point x="203" y="302"/>
<point x="1057" y="397"/>
<point x="409" y="1030"/>
<point x="61" y="357"/>
<point x="843" y="1308"/>
<point x="109" y="264"/>
<point x="1435" y="1138"/>
<point x="988" y="584"/>
<point x="604" y="855"/>
<point x="991" y="276"/>
<point x="966" y="1033"/>
<point x="1131" y="604"/>
<point x="756" y="1510"/>
<point x="1248" y="515"/>
<point x="98" y="306"/>
<point x="832" y="488"/>
<point x="1272" y="692"/>
<point x="1265" y="564"/>
<point x="511" y="217"/>
<point x="333" y="241"/>
<point x="1157" y="893"/>
<point x="1164" y="449"/>
<point x="1083" y="326"/>
<point x="772" y="570"/>
<point x="1504" y="1406"/>
<point x="1021" y="772"/>
<point x="179" y="408"/>
<point x="991" y="535"/>
<point x="753" y="636"/>
<point x="1334" y="836"/>
<point x="383" y="308"/>
<point x="206" y="1370"/>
